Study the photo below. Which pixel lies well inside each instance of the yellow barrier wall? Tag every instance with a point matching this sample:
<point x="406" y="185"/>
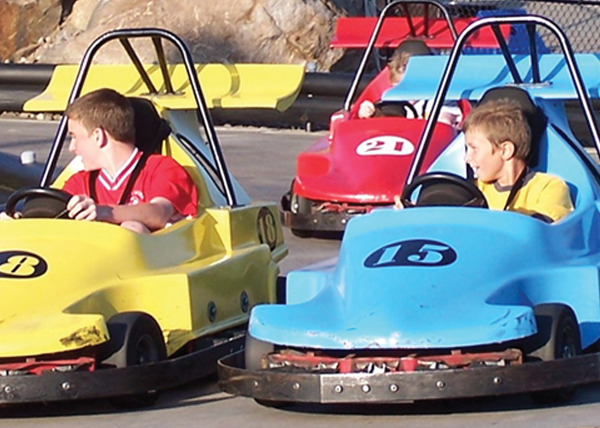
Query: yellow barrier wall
<point x="270" y="86"/>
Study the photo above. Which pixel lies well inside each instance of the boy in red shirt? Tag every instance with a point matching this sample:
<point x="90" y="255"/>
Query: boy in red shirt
<point x="102" y="131"/>
<point x="118" y="185"/>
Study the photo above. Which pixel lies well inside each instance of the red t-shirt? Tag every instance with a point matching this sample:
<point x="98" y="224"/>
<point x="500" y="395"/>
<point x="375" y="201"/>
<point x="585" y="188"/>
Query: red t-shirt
<point x="161" y="176"/>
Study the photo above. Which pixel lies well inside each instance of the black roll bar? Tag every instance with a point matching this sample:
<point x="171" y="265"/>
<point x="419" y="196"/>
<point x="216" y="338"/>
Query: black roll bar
<point x="156" y="34"/>
<point x="450" y="68"/>
<point x="371" y="45"/>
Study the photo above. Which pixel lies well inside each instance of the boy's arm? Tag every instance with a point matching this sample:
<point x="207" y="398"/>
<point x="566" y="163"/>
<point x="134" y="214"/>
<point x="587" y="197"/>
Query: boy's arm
<point x="154" y="215"/>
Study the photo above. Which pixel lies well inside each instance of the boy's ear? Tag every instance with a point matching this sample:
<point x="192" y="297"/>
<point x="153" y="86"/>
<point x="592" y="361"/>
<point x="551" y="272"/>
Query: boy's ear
<point x="507" y="150"/>
<point x="100" y="137"/>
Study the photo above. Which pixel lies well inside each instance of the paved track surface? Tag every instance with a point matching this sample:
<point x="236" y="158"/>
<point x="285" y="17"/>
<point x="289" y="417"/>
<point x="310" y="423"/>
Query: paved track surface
<point x="263" y="161"/>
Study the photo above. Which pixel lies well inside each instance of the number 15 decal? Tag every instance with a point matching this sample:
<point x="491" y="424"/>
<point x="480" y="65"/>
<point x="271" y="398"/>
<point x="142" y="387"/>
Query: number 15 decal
<point x="417" y="252"/>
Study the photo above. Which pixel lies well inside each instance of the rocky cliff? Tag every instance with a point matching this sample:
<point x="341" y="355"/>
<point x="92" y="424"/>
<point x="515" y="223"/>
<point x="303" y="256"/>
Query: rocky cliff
<point x="263" y="31"/>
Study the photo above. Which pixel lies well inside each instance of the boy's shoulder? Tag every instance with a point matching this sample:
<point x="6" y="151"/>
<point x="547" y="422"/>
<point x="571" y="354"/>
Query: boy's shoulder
<point x="545" y="179"/>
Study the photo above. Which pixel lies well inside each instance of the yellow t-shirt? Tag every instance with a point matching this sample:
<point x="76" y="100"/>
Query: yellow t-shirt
<point x="540" y="194"/>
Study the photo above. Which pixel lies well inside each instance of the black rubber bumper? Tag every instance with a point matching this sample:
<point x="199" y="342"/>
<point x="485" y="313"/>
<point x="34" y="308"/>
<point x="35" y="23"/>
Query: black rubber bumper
<point x="304" y="220"/>
<point x="316" y="222"/>
<point x="280" y="386"/>
<point x="103" y="383"/>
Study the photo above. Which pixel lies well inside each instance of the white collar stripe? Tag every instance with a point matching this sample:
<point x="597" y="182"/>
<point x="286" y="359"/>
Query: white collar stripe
<point x="102" y="181"/>
<point x="127" y="163"/>
<point x="122" y="174"/>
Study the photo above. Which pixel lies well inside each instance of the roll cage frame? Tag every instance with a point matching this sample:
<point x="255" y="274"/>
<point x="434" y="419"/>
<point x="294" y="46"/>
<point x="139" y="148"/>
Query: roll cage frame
<point x="530" y="22"/>
<point x="385" y="13"/>
<point x="156" y="35"/>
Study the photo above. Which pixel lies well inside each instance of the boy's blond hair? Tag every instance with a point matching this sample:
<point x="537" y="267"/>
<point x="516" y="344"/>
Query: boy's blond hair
<point x="106" y="109"/>
<point x="499" y="121"/>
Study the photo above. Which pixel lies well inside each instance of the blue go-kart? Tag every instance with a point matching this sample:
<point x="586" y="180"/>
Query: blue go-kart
<point x="443" y="300"/>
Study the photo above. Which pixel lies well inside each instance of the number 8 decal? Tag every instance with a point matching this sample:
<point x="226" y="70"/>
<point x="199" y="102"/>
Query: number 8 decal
<point x="21" y="265"/>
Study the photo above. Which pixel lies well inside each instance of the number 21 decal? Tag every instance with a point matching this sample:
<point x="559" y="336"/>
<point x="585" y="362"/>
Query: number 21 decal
<point x="385" y="145"/>
<point x="417" y="252"/>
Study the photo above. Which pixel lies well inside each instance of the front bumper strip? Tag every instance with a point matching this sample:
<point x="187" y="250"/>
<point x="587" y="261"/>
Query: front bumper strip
<point x="111" y="382"/>
<point x="280" y="386"/>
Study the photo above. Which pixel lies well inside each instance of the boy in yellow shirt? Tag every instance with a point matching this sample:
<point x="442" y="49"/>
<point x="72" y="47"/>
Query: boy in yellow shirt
<point x="498" y="145"/>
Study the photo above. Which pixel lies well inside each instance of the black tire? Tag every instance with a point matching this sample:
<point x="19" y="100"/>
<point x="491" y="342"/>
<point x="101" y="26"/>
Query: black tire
<point x="254" y="351"/>
<point x="135" y="339"/>
<point x="558" y="337"/>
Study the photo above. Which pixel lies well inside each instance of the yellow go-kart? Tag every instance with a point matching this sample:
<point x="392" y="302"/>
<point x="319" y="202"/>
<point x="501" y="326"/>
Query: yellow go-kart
<point x="90" y="309"/>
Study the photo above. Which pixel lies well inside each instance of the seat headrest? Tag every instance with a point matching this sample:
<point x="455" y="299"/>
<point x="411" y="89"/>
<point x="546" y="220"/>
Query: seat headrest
<point x="150" y="128"/>
<point x="535" y="117"/>
<point x="414" y="47"/>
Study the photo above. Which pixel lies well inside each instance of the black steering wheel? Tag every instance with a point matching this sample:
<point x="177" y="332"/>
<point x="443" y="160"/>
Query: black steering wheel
<point x="394" y="108"/>
<point x="41" y="202"/>
<point x="443" y="189"/>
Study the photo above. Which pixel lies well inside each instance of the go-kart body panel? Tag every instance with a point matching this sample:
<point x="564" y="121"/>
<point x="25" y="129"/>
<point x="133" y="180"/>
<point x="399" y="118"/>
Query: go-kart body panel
<point x="548" y="252"/>
<point x="195" y="280"/>
<point x="364" y="160"/>
<point x="402" y="283"/>
<point x="433" y="302"/>
<point x="55" y="304"/>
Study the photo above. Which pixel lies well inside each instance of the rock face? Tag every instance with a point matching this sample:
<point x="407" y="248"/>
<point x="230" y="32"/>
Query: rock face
<point x="24" y="22"/>
<point x="243" y="31"/>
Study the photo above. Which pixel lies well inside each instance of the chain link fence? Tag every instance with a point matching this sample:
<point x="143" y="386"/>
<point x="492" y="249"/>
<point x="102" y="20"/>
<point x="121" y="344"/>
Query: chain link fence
<point x="579" y="20"/>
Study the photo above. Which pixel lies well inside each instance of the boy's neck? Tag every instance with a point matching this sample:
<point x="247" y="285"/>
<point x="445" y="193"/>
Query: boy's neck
<point x="119" y="154"/>
<point x="511" y="172"/>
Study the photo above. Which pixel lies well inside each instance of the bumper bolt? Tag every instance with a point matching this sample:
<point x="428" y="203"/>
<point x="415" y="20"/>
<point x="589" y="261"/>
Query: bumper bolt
<point x="296" y="386"/>
<point x="338" y="389"/>
<point x="8" y="392"/>
<point x="440" y="384"/>
<point x="497" y="381"/>
<point x="366" y="389"/>
<point x="65" y="386"/>
<point x="393" y="387"/>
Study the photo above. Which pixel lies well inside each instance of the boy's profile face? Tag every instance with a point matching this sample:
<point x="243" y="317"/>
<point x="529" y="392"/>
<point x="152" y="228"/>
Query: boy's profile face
<point x="83" y="143"/>
<point x="485" y="159"/>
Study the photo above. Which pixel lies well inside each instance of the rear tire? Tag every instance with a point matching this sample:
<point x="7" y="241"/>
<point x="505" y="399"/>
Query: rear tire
<point x="135" y="339"/>
<point x="558" y="337"/>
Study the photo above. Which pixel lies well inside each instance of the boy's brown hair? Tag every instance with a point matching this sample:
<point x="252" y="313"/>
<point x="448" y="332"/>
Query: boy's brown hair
<point x="397" y="65"/>
<point x="402" y="54"/>
<point x="106" y="109"/>
<point x="499" y="121"/>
